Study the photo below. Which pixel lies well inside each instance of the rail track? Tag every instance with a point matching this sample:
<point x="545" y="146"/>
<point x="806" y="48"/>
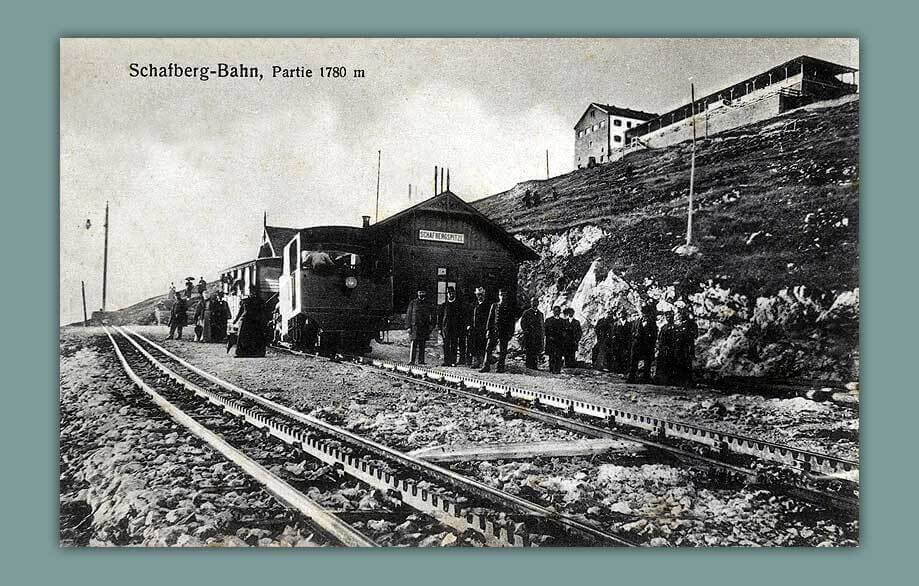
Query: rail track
<point x="456" y="501"/>
<point x="782" y="469"/>
<point x="159" y="391"/>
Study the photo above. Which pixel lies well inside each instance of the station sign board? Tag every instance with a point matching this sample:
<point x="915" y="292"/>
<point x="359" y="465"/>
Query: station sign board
<point x="451" y="237"/>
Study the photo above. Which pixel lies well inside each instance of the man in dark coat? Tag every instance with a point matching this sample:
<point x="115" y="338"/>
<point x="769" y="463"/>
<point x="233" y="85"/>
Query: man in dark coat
<point x="477" y="328"/>
<point x="199" y="321"/>
<point x="600" y="353"/>
<point x="643" y="343"/>
<point x="620" y="342"/>
<point x="666" y="362"/>
<point x="688" y="332"/>
<point x="532" y="337"/>
<point x="573" y="333"/>
<point x="220" y="314"/>
<point x="452" y="323"/>
<point x="178" y="317"/>
<point x="554" y="328"/>
<point x="419" y="320"/>
<point x="202" y="287"/>
<point x="465" y="354"/>
<point x="500" y="328"/>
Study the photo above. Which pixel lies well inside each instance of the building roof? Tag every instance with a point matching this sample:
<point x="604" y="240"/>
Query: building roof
<point x="682" y="112"/>
<point x="617" y="111"/>
<point x="447" y="201"/>
<point x="277" y="239"/>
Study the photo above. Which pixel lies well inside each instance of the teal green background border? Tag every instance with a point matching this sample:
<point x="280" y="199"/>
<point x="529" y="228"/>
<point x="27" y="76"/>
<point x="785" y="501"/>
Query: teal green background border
<point x="30" y="237"/>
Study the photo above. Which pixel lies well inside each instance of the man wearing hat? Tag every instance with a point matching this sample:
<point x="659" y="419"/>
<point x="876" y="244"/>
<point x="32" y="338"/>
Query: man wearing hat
<point x="532" y="337"/>
<point x="419" y="320"/>
<point x="500" y="329"/>
<point x="476" y="328"/>
<point x="452" y="323"/>
<point x="555" y="328"/>
<point x="643" y="344"/>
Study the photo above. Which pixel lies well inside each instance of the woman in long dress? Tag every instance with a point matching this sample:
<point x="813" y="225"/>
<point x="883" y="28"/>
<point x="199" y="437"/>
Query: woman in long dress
<point x="251" y="317"/>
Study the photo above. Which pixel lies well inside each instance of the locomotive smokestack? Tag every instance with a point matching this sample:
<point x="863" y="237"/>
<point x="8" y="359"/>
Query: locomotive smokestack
<point x="366" y="221"/>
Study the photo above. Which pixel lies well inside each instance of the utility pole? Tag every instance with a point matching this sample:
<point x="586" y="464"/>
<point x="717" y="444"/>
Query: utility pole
<point x="692" y="165"/>
<point x="83" y="289"/>
<point x="105" y="259"/>
<point x="547" y="163"/>
<point x="379" y="160"/>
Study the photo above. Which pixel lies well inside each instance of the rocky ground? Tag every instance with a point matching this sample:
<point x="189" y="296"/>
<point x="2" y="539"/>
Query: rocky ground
<point x="662" y="505"/>
<point x="106" y="441"/>
<point x="131" y="477"/>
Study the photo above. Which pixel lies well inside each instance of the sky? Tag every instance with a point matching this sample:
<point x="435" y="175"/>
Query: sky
<point x="189" y="167"/>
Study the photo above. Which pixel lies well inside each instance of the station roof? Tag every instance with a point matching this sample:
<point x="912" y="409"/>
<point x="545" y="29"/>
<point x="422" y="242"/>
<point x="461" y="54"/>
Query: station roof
<point x="274" y="239"/>
<point x="449" y="202"/>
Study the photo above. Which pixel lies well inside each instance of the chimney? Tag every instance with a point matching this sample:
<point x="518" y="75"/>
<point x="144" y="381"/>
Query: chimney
<point x="366" y="221"/>
<point x="448" y="179"/>
<point x="435" y="179"/>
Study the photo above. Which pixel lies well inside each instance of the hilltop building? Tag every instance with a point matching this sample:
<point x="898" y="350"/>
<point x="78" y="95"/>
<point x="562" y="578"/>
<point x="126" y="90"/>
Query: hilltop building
<point x="601" y="131"/>
<point x="795" y="83"/>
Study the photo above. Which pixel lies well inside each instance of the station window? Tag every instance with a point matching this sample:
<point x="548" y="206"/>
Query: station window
<point x="617" y="138"/>
<point x="628" y="125"/>
<point x="617" y="122"/>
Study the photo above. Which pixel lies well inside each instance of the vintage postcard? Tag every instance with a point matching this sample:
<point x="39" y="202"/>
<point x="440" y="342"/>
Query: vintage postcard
<point x="446" y="292"/>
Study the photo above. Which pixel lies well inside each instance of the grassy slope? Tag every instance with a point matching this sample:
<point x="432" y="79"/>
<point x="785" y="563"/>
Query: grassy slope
<point x="793" y="178"/>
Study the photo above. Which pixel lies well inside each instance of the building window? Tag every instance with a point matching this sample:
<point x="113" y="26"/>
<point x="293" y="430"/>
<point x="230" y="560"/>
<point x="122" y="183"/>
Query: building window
<point x="628" y="125"/>
<point x="602" y="124"/>
<point x="593" y="113"/>
<point x="617" y="138"/>
<point x="617" y="122"/>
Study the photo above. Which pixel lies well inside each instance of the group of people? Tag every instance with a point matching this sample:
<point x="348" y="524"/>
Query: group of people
<point x="211" y="321"/>
<point x="190" y="289"/>
<point x="534" y="198"/>
<point x="471" y="332"/>
<point x="478" y="334"/>
<point x="644" y="353"/>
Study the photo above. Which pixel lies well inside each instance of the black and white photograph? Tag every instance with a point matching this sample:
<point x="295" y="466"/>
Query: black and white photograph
<point x="459" y="292"/>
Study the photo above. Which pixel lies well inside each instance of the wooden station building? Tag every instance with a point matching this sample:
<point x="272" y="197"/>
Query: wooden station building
<point x="444" y="242"/>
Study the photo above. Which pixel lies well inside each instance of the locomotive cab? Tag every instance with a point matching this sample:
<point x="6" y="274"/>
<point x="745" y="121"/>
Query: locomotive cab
<point x="334" y="294"/>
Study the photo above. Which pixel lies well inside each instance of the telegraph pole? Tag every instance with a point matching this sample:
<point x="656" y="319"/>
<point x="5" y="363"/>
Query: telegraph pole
<point x="83" y="289"/>
<point x="379" y="160"/>
<point x="692" y="164"/>
<point x="105" y="259"/>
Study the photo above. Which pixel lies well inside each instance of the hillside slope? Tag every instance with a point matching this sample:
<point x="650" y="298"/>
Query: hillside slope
<point x="776" y="221"/>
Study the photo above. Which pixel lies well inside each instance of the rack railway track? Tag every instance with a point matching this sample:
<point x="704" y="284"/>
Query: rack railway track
<point x="328" y="522"/>
<point x="456" y="501"/>
<point x="737" y="454"/>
